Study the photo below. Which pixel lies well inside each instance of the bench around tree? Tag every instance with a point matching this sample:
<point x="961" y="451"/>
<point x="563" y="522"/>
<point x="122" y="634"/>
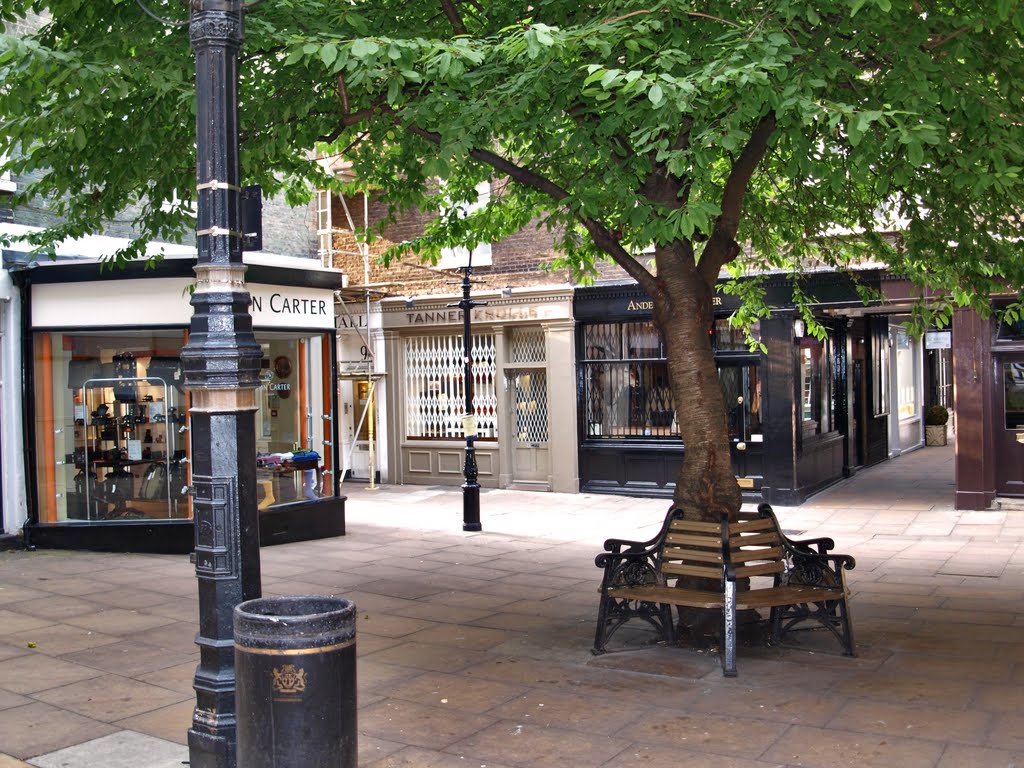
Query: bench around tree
<point x="643" y="580"/>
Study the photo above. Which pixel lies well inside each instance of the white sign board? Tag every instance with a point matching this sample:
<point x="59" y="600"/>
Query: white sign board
<point x="165" y="301"/>
<point x="938" y="340"/>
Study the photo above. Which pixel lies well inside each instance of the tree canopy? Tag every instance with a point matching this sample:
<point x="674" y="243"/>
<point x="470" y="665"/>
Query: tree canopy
<point x="745" y="135"/>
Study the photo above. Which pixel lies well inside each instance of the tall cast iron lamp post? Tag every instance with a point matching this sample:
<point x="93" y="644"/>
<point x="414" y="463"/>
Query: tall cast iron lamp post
<point x="470" y="488"/>
<point x="221" y="362"/>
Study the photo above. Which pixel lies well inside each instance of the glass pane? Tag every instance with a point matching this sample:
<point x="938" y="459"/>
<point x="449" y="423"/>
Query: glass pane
<point x="435" y="393"/>
<point x="642" y="341"/>
<point x="111" y="426"/>
<point x="741" y="389"/>
<point x="526" y="345"/>
<point x="725" y="338"/>
<point x="530" y="391"/>
<point x="292" y="458"/>
<point x="1013" y="392"/>
<point x="601" y="341"/>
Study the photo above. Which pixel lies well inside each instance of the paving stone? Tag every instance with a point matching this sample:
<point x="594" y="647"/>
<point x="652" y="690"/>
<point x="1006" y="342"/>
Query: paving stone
<point x="123" y="749"/>
<point x="833" y="748"/>
<point x="419" y="725"/>
<point x="114" y="698"/>
<point x="30" y="674"/>
<point x="38" y="728"/>
<point x="533" y="746"/>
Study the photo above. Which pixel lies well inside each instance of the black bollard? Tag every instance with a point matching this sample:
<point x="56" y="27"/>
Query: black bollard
<point x="295" y="682"/>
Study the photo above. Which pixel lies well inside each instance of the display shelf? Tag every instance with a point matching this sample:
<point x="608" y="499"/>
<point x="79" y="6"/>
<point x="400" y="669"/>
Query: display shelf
<point x="127" y="450"/>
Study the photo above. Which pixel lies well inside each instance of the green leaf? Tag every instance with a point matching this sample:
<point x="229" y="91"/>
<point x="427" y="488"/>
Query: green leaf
<point x="915" y="154"/>
<point x="656" y="95"/>
<point x="328" y="54"/>
<point x="363" y="48"/>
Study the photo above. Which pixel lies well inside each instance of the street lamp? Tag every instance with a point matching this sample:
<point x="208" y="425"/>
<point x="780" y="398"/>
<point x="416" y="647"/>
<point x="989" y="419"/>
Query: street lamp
<point x="470" y="488"/>
<point x="221" y="362"/>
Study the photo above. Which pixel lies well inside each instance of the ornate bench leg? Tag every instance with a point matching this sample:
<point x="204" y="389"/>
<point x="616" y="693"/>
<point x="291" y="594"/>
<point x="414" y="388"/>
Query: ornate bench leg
<point x="602" y="625"/>
<point x="843" y="607"/>
<point x="729" y="630"/>
<point x="668" y="624"/>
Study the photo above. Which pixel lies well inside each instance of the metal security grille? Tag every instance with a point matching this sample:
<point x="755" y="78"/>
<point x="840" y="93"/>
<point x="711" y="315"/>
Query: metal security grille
<point x="436" y="395"/>
<point x="531" y="405"/>
<point x="526" y="345"/>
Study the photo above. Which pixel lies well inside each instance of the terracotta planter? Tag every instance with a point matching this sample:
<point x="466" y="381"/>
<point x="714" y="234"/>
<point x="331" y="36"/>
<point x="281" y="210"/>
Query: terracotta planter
<point x="935" y="435"/>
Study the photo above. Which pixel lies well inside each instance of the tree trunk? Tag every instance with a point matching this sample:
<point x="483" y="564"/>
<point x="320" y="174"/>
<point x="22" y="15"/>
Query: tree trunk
<point x="706" y="486"/>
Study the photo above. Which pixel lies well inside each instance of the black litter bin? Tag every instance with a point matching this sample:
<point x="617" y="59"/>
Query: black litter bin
<point x="295" y="682"/>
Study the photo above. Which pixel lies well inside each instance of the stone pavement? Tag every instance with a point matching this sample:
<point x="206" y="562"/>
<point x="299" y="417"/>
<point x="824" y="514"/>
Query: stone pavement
<point x="474" y="649"/>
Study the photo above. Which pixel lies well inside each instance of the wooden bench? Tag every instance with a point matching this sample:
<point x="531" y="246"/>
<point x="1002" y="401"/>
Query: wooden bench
<point x="799" y="581"/>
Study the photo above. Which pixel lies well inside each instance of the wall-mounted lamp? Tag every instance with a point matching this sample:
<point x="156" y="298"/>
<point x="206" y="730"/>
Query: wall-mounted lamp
<point x="799" y="327"/>
<point x="410" y="303"/>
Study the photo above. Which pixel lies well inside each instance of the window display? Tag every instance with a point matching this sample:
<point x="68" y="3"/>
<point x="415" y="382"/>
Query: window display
<point x="115" y="425"/>
<point x="112" y="424"/>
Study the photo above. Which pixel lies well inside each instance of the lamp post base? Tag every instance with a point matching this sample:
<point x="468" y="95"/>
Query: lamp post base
<point x="471" y="507"/>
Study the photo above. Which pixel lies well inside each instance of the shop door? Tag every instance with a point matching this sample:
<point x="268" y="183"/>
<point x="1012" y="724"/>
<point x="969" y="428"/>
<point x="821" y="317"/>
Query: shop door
<point x="1010" y="425"/>
<point x="741" y="387"/>
<point x="531" y="458"/>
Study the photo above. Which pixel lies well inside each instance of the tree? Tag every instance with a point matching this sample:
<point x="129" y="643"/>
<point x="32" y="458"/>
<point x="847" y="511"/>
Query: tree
<point x="738" y="136"/>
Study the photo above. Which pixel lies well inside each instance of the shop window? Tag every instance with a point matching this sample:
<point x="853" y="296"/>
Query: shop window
<point x="906" y="379"/>
<point x="1013" y="394"/>
<point x="628" y="395"/>
<point x="435" y="394"/>
<point x="293" y="462"/>
<point x="880" y="366"/>
<point x="112" y="434"/>
<point x="530" y="392"/>
<point x="726" y="338"/>
<point x="1011" y="330"/>
<point x="741" y="388"/>
<point x="816" y="402"/>
<point x="111" y="427"/>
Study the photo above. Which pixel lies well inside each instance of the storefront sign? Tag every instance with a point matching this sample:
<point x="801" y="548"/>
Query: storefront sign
<point x="165" y="301"/>
<point x="938" y="340"/>
<point x="489" y="314"/>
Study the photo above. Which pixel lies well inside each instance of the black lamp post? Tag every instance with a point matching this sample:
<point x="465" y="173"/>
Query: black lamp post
<point x="470" y="488"/>
<point x="221" y="362"/>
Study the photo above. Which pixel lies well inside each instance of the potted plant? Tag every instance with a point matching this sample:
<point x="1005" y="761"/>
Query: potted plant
<point x="935" y="419"/>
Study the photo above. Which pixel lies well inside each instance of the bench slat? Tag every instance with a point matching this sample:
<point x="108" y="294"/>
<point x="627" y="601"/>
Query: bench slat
<point x="748" y="555"/>
<point x="771" y="538"/>
<point x="763" y="569"/>
<point x="694" y="539"/>
<point x="747" y="526"/>
<point x="695" y="525"/>
<point x="691" y="598"/>
<point x="700" y="555"/>
<point x="704" y="572"/>
<point x="772" y="596"/>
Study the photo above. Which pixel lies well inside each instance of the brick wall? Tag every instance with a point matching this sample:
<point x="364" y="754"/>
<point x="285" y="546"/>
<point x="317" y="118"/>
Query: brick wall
<point x="517" y="261"/>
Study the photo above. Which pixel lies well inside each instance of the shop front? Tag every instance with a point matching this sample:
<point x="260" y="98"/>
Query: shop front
<point x="785" y="405"/>
<point x="109" y="414"/>
<point x="988" y="360"/>
<point x="523" y="391"/>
